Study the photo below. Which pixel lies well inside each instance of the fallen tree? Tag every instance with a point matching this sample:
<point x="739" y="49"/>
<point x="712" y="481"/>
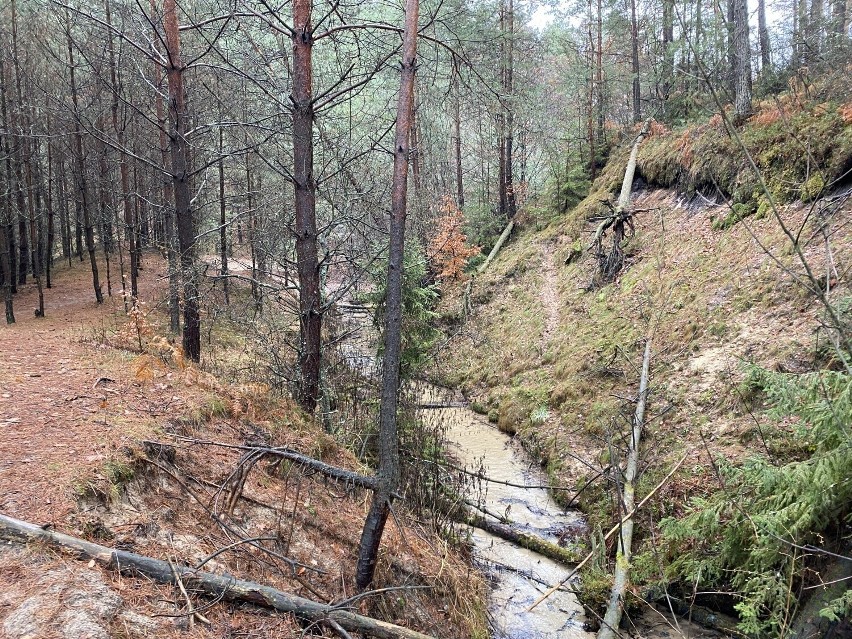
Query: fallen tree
<point x="226" y="587"/>
<point x="620" y="218"/>
<point x="612" y="618"/>
<point x="500" y="242"/>
<point x="511" y="534"/>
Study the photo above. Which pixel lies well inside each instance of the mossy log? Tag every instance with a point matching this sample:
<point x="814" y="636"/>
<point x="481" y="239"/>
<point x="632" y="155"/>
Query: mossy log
<point x="531" y="542"/>
<point x="225" y="587"/>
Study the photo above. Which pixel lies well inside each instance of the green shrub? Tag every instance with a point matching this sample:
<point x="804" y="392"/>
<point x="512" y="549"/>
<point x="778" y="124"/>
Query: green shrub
<point x="744" y="537"/>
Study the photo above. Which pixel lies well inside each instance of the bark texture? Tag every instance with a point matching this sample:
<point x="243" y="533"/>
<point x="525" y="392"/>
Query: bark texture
<point x="307" y="263"/>
<point x="179" y="148"/>
<point x="388" y="474"/>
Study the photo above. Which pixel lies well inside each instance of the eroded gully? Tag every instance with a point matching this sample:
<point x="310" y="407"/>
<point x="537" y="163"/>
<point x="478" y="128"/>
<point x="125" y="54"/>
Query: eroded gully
<point x="518" y="576"/>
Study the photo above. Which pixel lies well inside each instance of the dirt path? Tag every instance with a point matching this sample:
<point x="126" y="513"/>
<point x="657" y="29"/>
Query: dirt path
<point x="67" y="401"/>
<point x="549" y="295"/>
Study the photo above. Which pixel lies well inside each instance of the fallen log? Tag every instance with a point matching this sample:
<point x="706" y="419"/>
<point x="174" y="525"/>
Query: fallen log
<point x="612" y="618"/>
<point x="500" y="241"/>
<point x="511" y="534"/>
<point x="225" y="587"/>
<point x="332" y="472"/>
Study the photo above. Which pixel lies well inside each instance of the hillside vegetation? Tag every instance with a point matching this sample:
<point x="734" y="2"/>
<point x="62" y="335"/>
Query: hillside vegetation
<point x="749" y="380"/>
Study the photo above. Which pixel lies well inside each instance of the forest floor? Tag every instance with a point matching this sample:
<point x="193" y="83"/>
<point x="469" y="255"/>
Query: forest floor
<point x="100" y="440"/>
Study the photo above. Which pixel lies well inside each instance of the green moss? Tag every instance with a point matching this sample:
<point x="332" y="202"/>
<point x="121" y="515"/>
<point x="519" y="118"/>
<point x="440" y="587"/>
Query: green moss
<point x="813" y="187"/>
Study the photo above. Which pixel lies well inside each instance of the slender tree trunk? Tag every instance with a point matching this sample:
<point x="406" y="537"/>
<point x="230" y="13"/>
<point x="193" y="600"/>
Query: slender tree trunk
<point x="18" y="125"/>
<point x="668" y="43"/>
<point x="457" y="142"/>
<point x="168" y="197"/>
<point x="33" y="238"/>
<point x="730" y="26"/>
<point x="634" y="57"/>
<point x="51" y="217"/>
<point x="64" y="219"/>
<point x="599" y="81"/>
<point x="6" y="267"/>
<point x="816" y="26"/>
<point x="763" y="36"/>
<point x="120" y="134"/>
<point x="6" y="206"/>
<point x="80" y="177"/>
<point x="590" y="102"/>
<point x="11" y="273"/>
<point x="103" y="209"/>
<point x="223" y="229"/>
<point x="388" y="473"/>
<point x="742" y="61"/>
<point x="511" y="202"/>
<point x="839" y="9"/>
<point x="252" y="232"/>
<point x="180" y="172"/>
<point x="307" y="262"/>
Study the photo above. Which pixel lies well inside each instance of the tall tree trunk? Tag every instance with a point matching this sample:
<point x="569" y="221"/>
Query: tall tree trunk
<point x="252" y="233"/>
<point x="501" y="122"/>
<point x="814" y="31"/>
<point x="64" y="216"/>
<point x="168" y="212"/>
<point x="590" y="102"/>
<point x="730" y="27"/>
<point x="20" y="128"/>
<point x="223" y="229"/>
<point x="34" y="243"/>
<point x="388" y="473"/>
<point x="80" y="172"/>
<point x="6" y="267"/>
<point x="105" y="226"/>
<point x="307" y="262"/>
<point x="120" y="134"/>
<point x="511" y="202"/>
<point x="742" y="61"/>
<point x="51" y="216"/>
<point x="763" y="36"/>
<point x="599" y="82"/>
<point x="839" y="24"/>
<point x="634" y="57"/>
<point x="457" y="142"/>
<point x="6" y="232"/>
<point x="668" y="43"/>
<point x="180" y="172"/>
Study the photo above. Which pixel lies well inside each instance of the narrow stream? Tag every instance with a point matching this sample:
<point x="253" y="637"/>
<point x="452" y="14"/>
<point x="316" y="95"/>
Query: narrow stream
<point x="519" y="576"/>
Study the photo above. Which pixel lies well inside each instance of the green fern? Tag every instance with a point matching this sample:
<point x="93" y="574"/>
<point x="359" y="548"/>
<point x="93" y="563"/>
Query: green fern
<point x="745" y="537"/>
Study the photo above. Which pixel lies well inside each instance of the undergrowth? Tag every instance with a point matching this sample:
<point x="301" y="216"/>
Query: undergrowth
<point x="754" y="536"/>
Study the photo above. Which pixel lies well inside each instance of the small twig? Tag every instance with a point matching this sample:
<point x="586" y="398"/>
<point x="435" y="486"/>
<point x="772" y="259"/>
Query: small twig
<point x="192" y="613"/>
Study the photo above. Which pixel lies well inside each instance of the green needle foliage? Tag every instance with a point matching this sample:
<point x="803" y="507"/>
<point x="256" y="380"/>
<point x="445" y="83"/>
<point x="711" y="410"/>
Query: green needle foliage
<point x="750" y="536"/>
<point x="418" y="318"/>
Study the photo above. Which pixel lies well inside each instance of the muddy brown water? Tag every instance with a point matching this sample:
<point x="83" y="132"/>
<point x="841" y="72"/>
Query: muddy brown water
<point x="518" y="576"/>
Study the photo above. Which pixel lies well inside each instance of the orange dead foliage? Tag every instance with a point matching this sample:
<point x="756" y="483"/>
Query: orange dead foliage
<point x="845" y="112"/>
<point x="766" y="116"/>
<point x="449" y="249"/>
<point x="657" y="128"/>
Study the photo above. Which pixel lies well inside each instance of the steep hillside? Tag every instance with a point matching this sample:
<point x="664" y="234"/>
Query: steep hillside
<point x="552" y="353"/>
